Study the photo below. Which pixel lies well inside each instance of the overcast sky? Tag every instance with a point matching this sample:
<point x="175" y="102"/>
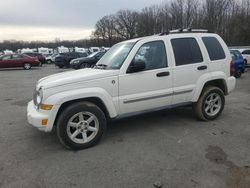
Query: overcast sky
<point x="66" y="19"/>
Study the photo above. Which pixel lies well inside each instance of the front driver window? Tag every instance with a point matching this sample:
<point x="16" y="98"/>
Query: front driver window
<point x="153" y="54"/>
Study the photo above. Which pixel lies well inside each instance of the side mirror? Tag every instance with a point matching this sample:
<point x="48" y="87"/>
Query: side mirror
<point x="136" y="65"/>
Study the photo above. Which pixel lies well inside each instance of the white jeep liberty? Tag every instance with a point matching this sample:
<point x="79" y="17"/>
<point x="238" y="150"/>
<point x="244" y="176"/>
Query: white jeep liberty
<point x="177" y="68"/>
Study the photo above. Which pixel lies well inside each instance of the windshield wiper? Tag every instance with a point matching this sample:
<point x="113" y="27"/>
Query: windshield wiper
<point x="100" y="66"/>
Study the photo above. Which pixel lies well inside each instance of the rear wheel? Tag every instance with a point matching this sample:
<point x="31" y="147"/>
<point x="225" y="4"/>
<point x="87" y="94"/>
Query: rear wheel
<point x="238" y="74"/>
<point x="210" y="104"/>
<point x="27" y="66"/>
<point x="81" y="125"/>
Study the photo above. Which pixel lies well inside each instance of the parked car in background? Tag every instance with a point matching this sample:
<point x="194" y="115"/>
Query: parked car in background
<point x="39" y="56"/>
<point x="18" y="60"/>
<point x="88" y="61"/>
<point x="246" y="55"/>
<point x="63" y="59"/>
<point x="238" y="63"/>
<point x="51" y="59"/>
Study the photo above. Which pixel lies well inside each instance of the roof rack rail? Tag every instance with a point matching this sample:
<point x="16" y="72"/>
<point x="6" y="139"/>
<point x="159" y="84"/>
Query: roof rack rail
<point x="187" y="30"/>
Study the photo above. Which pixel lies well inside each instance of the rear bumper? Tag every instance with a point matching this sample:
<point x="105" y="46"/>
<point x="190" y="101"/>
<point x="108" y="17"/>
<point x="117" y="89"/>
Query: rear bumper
<point x="231" y="83"/>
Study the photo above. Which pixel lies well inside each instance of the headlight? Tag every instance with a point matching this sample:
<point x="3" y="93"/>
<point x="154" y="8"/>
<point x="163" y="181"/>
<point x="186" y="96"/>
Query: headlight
<point x="75" y="62"/>
<point x="38" y="97"/>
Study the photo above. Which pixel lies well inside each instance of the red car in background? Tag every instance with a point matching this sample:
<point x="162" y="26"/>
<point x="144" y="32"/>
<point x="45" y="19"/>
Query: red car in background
<point x="18" y="60"/>
<point x="39" y="56"/>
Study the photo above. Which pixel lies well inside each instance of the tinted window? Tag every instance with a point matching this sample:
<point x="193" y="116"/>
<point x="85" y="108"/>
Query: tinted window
<point x="186" y="51"/>
<point x="153" y="54"/>
<point x="214" y="48"/>
<point x="246" y="52"/>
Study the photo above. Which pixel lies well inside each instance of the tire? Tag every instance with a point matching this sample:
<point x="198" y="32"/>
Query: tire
<point x="49" y="61"/>
<point x="84" y="65"/>
<point x="27" y="66"/>
<point x="60" y="66"/>
<point x="73" y="122"/>
<point x="245" y="61"/>
<point x="206" y="108"/>
<point x="238" y="74"/>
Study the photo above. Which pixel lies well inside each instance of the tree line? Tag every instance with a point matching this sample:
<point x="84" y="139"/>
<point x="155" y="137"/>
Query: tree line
<point x="228" y="18"/>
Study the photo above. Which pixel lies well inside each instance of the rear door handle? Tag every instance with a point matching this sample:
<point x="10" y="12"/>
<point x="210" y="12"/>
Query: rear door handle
<point x="202" y="67"/>
<point x="162" y="74"/>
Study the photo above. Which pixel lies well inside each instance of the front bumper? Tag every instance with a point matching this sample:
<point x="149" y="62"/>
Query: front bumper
<point x="231" y="83"/>
<point x="35" y="118"/>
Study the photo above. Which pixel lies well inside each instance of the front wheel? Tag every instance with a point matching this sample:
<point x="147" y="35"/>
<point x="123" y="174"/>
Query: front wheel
<point x="84" y="65"/>
<point x="245" y="61"/>
<point x="81" y="125"/>
<point x="49" y="61"/>
<point x="210" y="104"/>
<point x="27" y="66"/>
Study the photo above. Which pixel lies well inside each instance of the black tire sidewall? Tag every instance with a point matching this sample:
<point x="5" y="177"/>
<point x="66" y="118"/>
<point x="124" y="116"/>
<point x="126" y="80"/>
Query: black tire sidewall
<point x="68" y="113"/>
<point x="83" y="65"/>
<point x="238" y="74"/>
<point x="214" y="90"/>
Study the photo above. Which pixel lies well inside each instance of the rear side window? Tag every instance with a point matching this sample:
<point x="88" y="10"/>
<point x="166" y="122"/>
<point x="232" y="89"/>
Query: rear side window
<point x="246" y="52"/>
<point x="214" y="48"/>
<point x="186" y="51"/>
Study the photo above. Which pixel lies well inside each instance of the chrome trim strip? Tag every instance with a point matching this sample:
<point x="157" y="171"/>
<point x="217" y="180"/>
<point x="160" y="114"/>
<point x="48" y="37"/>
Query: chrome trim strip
<point x="156" y="97"/>
<point x="182" y="92"/>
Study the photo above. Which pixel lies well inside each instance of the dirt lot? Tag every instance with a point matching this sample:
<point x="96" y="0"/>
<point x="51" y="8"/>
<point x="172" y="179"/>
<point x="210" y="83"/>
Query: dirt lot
<point x="169" y="148"/>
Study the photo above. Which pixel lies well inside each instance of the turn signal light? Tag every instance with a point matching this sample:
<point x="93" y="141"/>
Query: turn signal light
<point x="46" y="106"/>
<point x="44" y="122"/>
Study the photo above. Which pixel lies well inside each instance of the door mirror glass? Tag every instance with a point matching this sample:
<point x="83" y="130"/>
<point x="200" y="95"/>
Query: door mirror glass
<point x="136" y="65"/>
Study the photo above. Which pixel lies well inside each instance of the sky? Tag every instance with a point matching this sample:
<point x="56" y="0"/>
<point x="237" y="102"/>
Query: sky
<point x="65" y="19"/>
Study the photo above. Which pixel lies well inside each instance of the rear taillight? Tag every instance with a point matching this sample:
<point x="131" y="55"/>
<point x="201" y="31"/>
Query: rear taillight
<point x="232" y="68"/>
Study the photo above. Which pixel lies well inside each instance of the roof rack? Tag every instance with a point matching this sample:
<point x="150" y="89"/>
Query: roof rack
<point x="187" y="30"/>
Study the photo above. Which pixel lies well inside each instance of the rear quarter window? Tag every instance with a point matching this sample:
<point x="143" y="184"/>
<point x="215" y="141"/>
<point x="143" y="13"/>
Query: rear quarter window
<point x="214" y="48"/>
<point x="246" y="52"/>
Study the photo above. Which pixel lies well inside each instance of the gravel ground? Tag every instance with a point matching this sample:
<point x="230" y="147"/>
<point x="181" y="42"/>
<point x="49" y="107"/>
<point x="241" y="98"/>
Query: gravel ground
<point x="167" y="148"/>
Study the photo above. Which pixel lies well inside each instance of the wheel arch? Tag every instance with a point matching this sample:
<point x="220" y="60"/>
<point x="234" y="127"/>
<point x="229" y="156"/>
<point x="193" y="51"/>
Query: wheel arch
<point x="95" y="100"/>
<point x="220" y="83"/>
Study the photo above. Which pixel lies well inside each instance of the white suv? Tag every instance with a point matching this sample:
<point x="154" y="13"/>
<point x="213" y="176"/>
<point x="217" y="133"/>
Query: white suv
<point x="144" y="74"/>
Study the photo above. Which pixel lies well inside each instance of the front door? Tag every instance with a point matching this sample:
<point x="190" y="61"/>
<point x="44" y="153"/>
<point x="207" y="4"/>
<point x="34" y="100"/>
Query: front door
<point x="150" y="88"/>
<point x="6" y="61"/>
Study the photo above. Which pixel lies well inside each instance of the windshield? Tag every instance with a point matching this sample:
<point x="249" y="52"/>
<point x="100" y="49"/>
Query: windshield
<point x="93" y="54"/>
<point x="115" y="57"/>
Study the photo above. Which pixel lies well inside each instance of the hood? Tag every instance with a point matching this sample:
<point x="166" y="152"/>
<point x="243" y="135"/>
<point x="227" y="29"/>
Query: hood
<point x="81" y="59"/>
<point x="74" y="76"/>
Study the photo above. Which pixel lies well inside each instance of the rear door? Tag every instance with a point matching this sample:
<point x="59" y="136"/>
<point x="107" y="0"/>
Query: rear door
<point x="17" y="60"/>
<point x="189" y="67"/>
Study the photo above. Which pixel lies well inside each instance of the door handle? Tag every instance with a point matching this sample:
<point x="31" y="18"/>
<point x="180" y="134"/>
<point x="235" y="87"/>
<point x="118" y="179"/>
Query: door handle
<point x="162" y="74"/>
<point x="202" y="67"/>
